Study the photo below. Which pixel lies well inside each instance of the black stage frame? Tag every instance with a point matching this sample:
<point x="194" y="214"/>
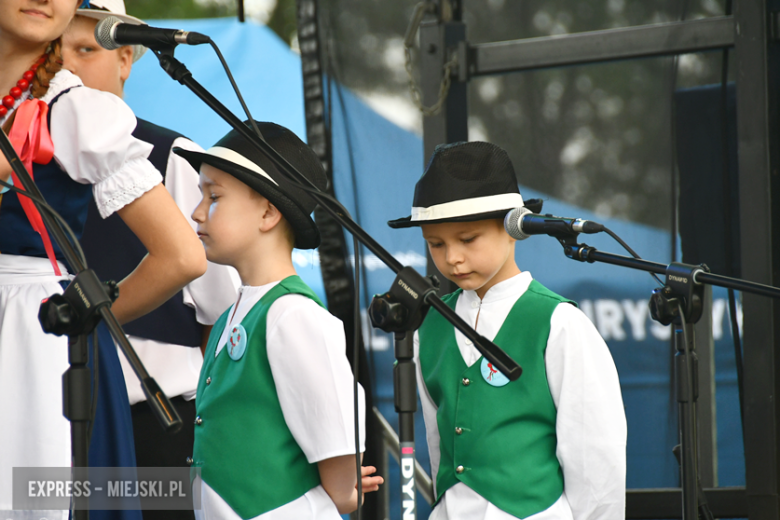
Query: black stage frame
<point x="752" y="34"/>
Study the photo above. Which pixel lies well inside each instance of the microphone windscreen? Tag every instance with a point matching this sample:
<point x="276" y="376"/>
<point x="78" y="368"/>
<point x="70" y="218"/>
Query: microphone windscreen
<point x="512" y="223"/>
<point x="104" y="30"/>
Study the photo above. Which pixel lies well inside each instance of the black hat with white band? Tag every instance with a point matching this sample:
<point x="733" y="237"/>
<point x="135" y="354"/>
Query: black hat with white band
<point x="235" y="155"/>
<point x="465" y="182"/>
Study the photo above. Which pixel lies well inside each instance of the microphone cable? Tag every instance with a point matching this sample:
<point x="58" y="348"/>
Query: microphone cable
<point x="631" y="251"/>
<point x="357" y="335"/>
<point x="232" y="83"/>
<point x="235" y="88"/>
<point x="303" y="186"/>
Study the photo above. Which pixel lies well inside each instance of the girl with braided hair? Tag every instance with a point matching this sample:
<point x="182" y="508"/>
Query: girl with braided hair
<point x="77" y="144"/>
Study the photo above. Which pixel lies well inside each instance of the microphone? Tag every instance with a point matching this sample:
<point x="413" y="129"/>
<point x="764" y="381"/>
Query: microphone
<point x="111" y="33"/>
<point x="520" y="223"/>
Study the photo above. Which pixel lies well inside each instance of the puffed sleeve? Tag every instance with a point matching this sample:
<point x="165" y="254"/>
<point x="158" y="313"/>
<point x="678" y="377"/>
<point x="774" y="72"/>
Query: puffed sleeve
<point x="93" y="143"/>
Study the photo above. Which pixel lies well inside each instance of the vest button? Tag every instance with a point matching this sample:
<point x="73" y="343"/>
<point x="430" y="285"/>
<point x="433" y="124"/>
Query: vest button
<point x="208" y="380"/>
<point x="459" y="469"/>
<point x="198" y="420"/>
<point x="466" y="381"/>
<point x="458" y="430"/>
<point x="190" y="461"/>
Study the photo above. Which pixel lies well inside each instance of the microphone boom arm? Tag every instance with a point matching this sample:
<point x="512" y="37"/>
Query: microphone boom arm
<point x="178" y="71"/>
<point x="586" y="253"/>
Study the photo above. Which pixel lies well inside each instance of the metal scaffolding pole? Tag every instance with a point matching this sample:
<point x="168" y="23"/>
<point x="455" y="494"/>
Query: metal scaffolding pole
<point x="756" y="60"/>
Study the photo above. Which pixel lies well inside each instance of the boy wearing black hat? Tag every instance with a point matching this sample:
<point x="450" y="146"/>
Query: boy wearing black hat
<point x="549" y="446"/>
<point x="274" y="434"/>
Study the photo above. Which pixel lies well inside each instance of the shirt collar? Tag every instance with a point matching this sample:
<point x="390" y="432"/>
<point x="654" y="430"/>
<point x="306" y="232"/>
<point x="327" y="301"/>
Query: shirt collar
<point x="248" y="296"/>
<point x="510" y="288"/>
<point x="247" y="292"/>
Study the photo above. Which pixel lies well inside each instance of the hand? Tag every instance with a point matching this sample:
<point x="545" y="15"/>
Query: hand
<point x="369" y="483"/>
<point x="337" y="475"/>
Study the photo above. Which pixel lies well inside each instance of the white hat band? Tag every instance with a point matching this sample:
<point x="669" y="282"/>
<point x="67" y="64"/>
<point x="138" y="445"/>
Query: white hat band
<point x="237" y="158"/>
<point x="465" y="207"/>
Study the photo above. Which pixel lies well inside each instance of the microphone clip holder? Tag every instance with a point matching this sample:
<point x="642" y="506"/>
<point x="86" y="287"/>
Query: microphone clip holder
<point x="173" y="67"/>
<point x="681" y="291"/>
<point x="77" y="309"/>
<point x="572" y="249"/>
<point x="404" y="306"/>
<point x="681" y="284"/>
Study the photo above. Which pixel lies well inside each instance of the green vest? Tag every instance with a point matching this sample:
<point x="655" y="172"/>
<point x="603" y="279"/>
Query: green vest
<point x="499" y="441"/>
<point x="243" y="447"/>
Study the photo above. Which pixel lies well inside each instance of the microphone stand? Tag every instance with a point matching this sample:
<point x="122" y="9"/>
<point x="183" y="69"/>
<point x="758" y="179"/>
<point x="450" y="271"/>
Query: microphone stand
<point x="679" y="301"/>
<point x="400" y="312"/>
<point x="75" y="313"/>
<point x="409" y="298"/>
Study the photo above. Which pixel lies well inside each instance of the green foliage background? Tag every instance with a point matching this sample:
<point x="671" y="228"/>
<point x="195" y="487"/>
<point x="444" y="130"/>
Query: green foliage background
<point x="154" y="9"/>
<point x="282" y="19"/>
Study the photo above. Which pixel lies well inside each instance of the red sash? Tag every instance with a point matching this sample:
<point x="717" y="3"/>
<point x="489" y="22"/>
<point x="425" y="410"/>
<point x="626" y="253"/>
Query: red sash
<point x="30" y="138"/>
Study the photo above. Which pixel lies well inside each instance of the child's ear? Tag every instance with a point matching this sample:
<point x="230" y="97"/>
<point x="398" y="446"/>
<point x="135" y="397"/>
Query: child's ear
<point x="271" y="217"/>
<point x="125" y="62"/>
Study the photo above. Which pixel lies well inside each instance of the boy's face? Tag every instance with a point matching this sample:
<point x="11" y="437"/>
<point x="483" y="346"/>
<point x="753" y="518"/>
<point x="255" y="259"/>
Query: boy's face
<point x="97" y="67"/>
<point x="474" y="255"/>
<point x="228" y="217"/>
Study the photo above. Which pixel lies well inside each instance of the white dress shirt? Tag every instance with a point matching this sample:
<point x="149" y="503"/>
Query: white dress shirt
<point x="306" y="352"/>
<point x="590" y="419"/>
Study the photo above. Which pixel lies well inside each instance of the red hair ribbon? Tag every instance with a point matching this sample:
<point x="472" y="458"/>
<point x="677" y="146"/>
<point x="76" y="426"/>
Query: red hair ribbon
<point x="30" y="138"/>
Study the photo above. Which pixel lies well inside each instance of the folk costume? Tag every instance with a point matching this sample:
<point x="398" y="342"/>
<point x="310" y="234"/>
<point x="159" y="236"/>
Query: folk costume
<point x="94" y="155"/>
<point x="549" y="446"/>
<point x="275" y="393"/>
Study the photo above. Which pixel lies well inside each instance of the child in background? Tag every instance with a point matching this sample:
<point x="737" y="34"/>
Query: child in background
<point x="550" y="445"/>
<point x="275" y="433"/>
